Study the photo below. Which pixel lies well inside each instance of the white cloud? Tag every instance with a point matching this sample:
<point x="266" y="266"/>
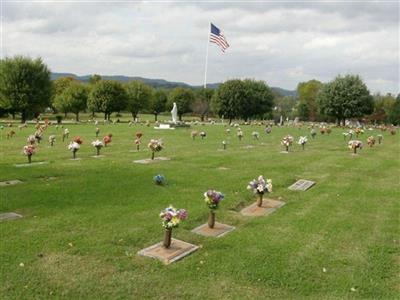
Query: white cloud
<point x="281" y="43"/>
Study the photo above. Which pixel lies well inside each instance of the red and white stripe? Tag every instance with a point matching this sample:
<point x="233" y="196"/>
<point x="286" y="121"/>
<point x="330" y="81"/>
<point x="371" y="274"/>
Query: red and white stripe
<point x="220" y="41"/>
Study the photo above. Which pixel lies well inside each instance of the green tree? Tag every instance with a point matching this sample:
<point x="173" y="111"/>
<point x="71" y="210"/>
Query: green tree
<point x="158" y="102"/>
<point x="138" y="97"/>
<point x="201" y="104"/>
<point x="394" y="115"/>
<point x="183" y="98"/>
<point x="58" y="96"/>
<point x="93" y="79"/>
<point x="308" y="92"/>
<point x="258" y="101"/>
<point x="228" y="98"/>
<point x="76" y="96"/>
<point x="25" y="85"/>
<point x="107" y="96"/>
<point x="345" y="97"/>
<point x="383" y="105"/>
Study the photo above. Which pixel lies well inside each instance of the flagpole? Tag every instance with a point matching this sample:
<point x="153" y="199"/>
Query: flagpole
<point x="208" y="42"/>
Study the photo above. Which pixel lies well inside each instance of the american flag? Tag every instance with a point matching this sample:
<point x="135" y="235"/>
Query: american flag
<point x="218" y="38"/>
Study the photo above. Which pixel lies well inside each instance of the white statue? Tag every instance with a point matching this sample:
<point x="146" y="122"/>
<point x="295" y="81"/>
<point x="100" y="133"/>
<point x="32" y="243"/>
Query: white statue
<point x="174" y="113"/>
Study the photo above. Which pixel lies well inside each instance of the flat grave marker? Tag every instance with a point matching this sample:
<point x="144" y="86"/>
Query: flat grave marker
<point x="178" y="250"/>
<point x="218" y="230"/>
<point x="31" y="164"/>
<point x="301" y="185"/>
<point x="10" y="182"/>
<point x="268" y="206"/>
<point x="150" y="161"/>
<point x="9" y="216"/>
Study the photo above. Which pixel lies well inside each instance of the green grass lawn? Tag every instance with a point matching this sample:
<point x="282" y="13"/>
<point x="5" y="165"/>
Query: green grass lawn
<point x="84" y="221"/>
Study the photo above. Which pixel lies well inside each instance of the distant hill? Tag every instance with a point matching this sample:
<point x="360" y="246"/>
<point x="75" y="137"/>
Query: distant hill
<point x="158" y="83"/>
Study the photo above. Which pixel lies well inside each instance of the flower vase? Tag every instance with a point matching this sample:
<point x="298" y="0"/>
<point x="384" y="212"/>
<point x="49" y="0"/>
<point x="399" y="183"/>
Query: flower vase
<point x="167" y="238"/>
<point x="29" y="158"/>
<point x="211" y="219"/>
<point x="260" y="199"/>
<point x="152" y="155"/>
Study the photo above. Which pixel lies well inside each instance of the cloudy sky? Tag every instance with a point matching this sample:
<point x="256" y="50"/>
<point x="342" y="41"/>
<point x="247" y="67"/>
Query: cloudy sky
<point x="281" y="42"/>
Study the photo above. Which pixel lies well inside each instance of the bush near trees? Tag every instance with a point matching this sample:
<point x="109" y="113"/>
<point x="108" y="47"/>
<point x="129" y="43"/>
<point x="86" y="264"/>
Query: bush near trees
<point x="107" y="96"/>
<point x="25" y="86"/>
<point x="138" y="97"/>
<point x="184" y="98"/>
<point x="345" y="97"/>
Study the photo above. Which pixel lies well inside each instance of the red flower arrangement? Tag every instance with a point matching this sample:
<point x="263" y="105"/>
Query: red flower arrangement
<point x="107" y="139"/>
<point x="78" y="140"/>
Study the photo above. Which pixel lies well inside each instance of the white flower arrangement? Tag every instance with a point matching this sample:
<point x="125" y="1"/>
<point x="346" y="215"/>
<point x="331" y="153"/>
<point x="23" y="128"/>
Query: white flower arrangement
<point x="302" y="140"/>
<point x="255" y="134"/>
<point x="97" y="144"/>
<point x="74" y="146"/>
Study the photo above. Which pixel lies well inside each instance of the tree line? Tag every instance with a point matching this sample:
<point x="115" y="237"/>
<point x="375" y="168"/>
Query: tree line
<point x="26" y="89"/>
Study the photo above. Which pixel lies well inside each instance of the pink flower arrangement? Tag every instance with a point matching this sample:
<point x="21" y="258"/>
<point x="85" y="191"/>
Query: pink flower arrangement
<point x="107" y="139"/>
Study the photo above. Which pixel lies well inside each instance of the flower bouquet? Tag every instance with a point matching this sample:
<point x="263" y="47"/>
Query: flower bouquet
<point x="358" y="131"/>
<point x="31" y="139"/>
<point x="354" y="144"/>
<point x="75" y="145"/>
<point x="260" y="186"/>
<point x="302" y="141"/>
<point x="97" y="131"/>
<point x="159" y="179"/>
<point x="380" y="137"/>
<point x="65" y="134"/>
<point x="255" y="135"/>
<point x="52" y="139"/>
<point x="171" y="217"/>
<point x="240" y="134"/>
<point x="38" y="136"/>
<point x="29" y="150"/>
<point x="287" y="141"/>
<point x="371" y="141"/>
<point x="10" y="134"/>
<point x="155" y="146"/>
<point x="138" y="140"/>
<point x="313" y="133"/>
<point x="98" y="145"/>
<point x="107" y="139"/>
<point x="212" y="199"/>
<point x="202" y="134"/>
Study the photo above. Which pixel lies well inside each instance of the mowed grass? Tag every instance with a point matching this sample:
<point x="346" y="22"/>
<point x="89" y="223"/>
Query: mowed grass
<point x="84" y="221"/>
